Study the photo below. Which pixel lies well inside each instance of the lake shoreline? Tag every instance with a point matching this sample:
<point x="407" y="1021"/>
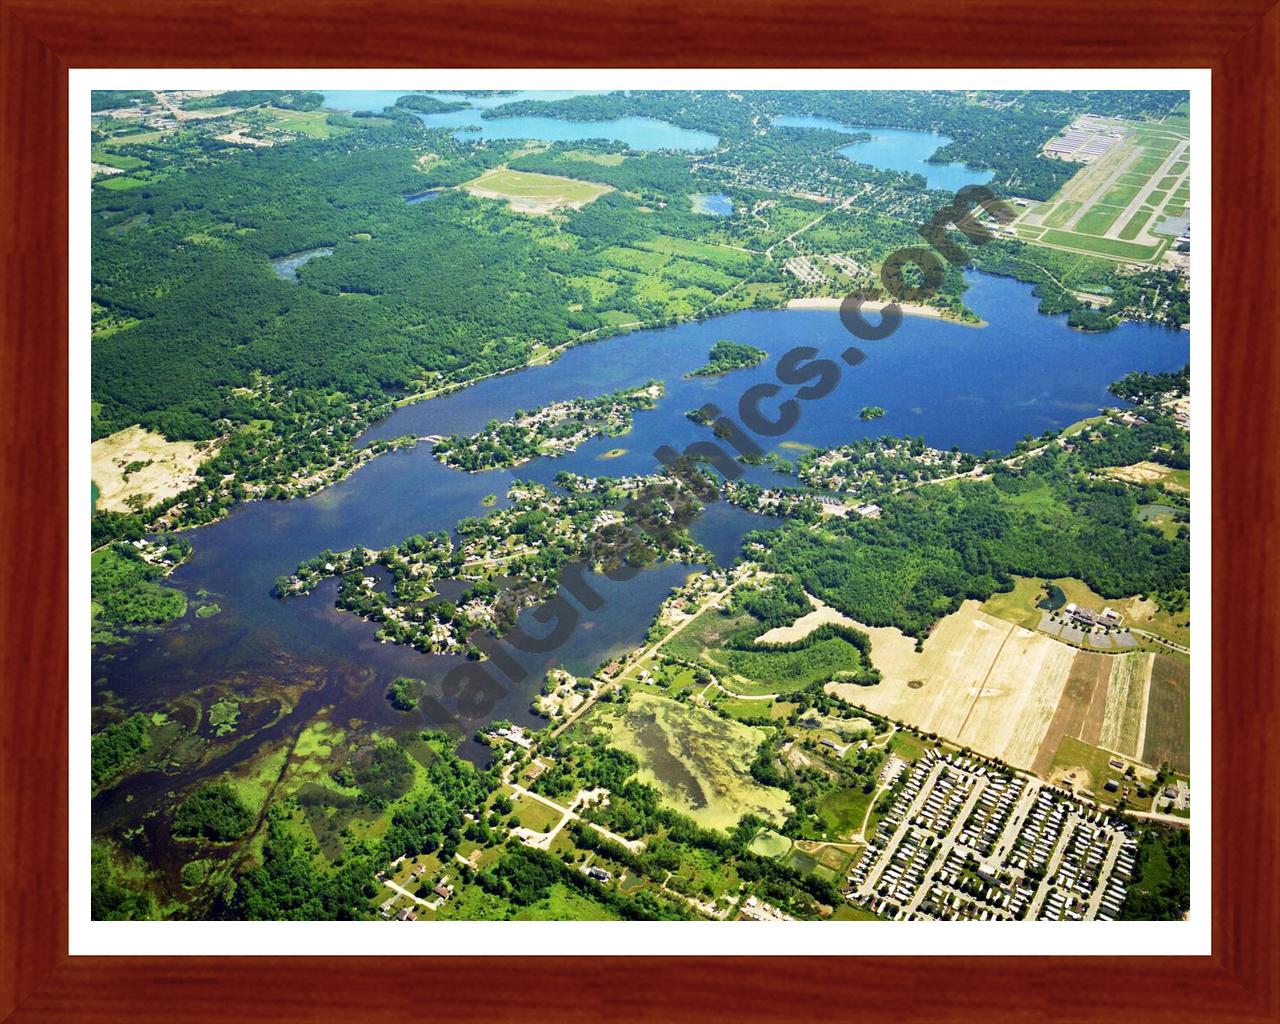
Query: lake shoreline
<point x="878" y="305"/>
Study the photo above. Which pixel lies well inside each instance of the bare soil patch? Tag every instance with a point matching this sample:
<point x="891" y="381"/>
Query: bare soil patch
<point x="139" y="464"/>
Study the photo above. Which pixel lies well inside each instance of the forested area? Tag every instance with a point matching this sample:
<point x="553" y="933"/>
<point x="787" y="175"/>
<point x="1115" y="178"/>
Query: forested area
<point x="212" y="812"/>
<point x="1160" y="889"/>
<point x="126" y="592"/>
<point x="729" y="355"/>
<point x="283" y="98"/>
<point x="116" y="745"/>
<point x="937" y="546"/>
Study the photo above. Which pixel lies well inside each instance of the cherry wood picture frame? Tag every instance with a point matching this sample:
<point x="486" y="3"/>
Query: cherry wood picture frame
<point x="41" y="39"/>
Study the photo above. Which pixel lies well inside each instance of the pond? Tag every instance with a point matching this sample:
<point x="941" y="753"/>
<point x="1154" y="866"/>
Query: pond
<point x="286" y="267"/>
<point x="718" y="205"/>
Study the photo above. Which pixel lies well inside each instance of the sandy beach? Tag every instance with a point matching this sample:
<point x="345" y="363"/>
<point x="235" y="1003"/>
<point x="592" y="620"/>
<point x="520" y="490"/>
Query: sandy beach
<point x="875" y="306"/>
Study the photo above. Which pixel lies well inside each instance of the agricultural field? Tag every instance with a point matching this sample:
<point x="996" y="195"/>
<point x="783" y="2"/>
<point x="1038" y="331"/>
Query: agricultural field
<point x="1168" y="727"/>
<point x="697" y="760"/>
<point x="980" y="681"/>
<point x="1081" y="710"/>
<point x="531" y="193"/>
<point x="1115" y="205"/>
<point x="986" y="682"/>
<point x="1136" y="705"/>
<point x="1125" y="713"/>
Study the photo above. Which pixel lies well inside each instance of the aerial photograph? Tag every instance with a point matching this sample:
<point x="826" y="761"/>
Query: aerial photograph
<point x="626" y="505"/>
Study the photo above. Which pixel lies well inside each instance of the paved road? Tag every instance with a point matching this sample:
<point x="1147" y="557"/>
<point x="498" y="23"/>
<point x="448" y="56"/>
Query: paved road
<point x="634" y="845"/>
<point x="873" y="876"/>
<point x="1064" y="838"/>
<point x="948" y="842"/>
<point x="1108" y="862"/>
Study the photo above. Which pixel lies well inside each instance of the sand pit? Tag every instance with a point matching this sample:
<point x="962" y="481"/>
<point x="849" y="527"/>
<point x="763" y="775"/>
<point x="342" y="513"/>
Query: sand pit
<point x="160" y="469"/>
<point x="1148" y="473"/>
<point x="980" y="682"/>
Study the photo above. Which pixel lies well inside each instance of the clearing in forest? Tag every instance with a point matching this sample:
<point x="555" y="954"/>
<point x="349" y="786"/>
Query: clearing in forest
<point x="136" y="466"/>
<point x="535" y="193"/>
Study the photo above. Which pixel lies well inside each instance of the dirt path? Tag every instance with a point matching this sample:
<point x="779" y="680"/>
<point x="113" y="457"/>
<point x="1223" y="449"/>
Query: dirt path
<point x="985" y="679"/>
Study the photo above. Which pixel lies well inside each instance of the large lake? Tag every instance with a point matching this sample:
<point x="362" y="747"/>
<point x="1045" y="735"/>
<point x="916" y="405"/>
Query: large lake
<point x="897" y="149"/>
<point x="978" y="388"/>
<point x="640" y="133"/>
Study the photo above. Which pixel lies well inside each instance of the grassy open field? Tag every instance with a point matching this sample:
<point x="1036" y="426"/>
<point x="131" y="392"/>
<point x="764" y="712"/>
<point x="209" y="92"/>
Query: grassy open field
<point x="843" y="810"/>
<point x="311" y="123"/>
<point x="1019" y="606"/>
<point x="1168" y="736"/>
<point x="759" y="672"/>
<point x="697" y="760"/>
<point x="769" y="843"/>
<point x="1135" y="224"/>
<point x="980" y="681"/>
<point x="1087" y="768"/>
<point x="535" y="193"/>
<point x="1098" y="219"/>
<point x="706" y="632"/>
<point x="1126" y="708"/>
<point x="1104" y="246"/>
<point x="534" y="814"/>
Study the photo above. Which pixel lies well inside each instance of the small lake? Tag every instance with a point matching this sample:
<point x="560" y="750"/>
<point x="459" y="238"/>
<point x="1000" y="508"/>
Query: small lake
<point x="286" y="267"/>
<point x="897" y="149"/>
<point x="641" y="133"/>
<point x="718" y="205"/>
<point x="423" y="197"/>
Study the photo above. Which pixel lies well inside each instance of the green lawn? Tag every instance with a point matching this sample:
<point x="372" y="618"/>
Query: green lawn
<point x="311" y="123"/>
<point x="1098" y="219"/>
<point x="1061" y="213"/>
<point x="843" y="810"/>
<point x="1103" y="246"/>
<point x="1136" y="223"/>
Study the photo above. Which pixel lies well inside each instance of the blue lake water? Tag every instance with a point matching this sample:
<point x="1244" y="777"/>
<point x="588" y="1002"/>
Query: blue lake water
<point x="422" y="197"/>
<point x="286" y="267"/>
<point x="978" y="388"/>
<point x="641" y="133"/>
<point x="377" y="100"/>
<point x="897" y="149"/>
<point x="717" y="205"/>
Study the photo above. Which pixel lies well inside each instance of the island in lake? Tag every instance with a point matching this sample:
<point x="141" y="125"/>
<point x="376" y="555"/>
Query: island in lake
<point x="728" y="355"/>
